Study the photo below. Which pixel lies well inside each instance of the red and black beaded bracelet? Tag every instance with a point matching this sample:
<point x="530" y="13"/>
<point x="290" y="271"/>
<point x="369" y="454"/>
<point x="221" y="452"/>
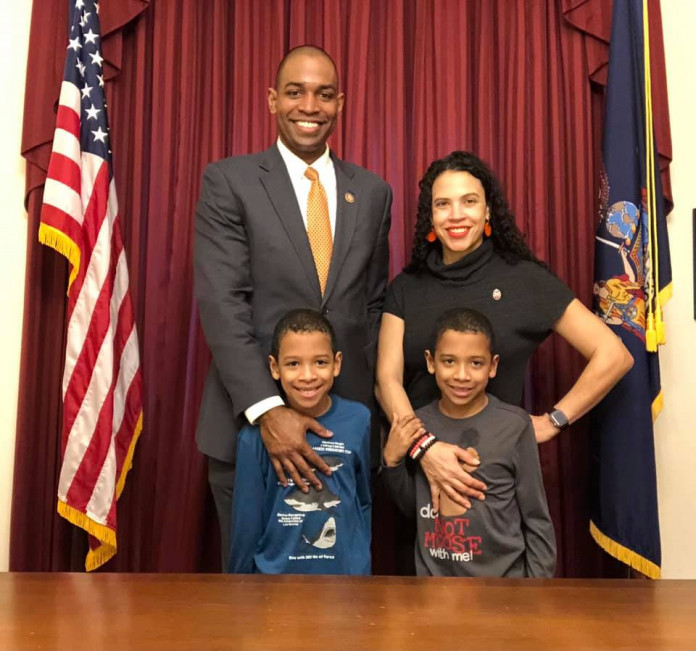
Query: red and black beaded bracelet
<point x="421" y="445"/>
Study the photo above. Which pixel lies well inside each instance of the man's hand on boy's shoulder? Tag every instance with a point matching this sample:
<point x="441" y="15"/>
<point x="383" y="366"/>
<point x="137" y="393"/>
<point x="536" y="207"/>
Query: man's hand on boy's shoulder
<point x="404" y="431"/>
<point x="284" y="434"/>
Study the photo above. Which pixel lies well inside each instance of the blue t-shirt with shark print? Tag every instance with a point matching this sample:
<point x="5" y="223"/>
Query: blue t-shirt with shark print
<point x="277" y="530"/>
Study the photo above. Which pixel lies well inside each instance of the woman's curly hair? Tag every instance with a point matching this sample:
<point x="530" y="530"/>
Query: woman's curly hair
<point x="508" y="241"/>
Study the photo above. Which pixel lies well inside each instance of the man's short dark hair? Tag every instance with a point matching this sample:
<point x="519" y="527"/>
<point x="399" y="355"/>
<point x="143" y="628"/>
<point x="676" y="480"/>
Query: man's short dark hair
<point x="463" y="319"/>
<point x="302" y="320"/>
<point x="312" y="50"/>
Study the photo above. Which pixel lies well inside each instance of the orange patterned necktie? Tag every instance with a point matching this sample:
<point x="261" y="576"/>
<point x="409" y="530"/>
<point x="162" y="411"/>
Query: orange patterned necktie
<point x="319" y="227"/>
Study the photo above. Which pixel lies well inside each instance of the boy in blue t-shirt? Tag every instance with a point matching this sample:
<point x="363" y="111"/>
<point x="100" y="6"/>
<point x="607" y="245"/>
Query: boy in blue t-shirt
<point x="284" y="530"/>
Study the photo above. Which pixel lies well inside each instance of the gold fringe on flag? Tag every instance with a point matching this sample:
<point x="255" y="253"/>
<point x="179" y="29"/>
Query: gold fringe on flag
<point x="64" y="245"/>
<point x="128" y="461"/>
<point x="105" y="535"/>
<point x="625" y="555"/>
<point x="657" y="405"/>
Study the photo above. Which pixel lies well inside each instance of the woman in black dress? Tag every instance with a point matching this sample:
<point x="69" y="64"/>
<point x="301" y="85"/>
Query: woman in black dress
<point x="468" y="252"/>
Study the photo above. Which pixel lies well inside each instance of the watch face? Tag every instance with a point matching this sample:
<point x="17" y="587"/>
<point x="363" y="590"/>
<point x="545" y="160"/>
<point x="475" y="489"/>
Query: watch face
<point x="558" y="418"/>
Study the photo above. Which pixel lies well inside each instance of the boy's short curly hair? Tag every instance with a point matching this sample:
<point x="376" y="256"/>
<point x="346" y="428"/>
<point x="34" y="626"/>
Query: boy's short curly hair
<point x="302" y="320"/>
<point x="463" y="319"/>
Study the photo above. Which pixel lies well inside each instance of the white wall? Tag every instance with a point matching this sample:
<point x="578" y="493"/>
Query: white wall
<point x="676" y="427"/>
<point x="14" y="36"/>
<point x="675" y="431"/>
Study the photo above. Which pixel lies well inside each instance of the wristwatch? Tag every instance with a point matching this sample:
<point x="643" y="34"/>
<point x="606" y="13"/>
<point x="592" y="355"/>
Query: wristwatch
<point x="559" y="419"/>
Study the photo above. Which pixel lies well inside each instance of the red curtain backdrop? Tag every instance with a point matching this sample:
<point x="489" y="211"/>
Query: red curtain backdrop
<point x="513" y="80"/>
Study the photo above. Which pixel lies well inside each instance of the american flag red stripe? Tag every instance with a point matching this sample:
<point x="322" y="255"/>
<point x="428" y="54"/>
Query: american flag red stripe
<point x="64" y="168"/>
<point x="93" y="215"/>
<point x="102" y="381"/>
<point x="68" y="120"/>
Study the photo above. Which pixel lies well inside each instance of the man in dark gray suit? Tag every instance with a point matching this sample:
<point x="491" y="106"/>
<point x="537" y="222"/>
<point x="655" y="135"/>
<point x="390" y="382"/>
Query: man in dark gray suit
<point x="254" y="262"/>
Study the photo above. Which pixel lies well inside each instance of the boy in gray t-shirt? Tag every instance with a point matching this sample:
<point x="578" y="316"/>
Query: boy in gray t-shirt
<point x="510" y="532"/>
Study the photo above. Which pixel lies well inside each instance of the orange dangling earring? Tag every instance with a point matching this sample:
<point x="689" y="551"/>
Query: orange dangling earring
<point x="487" y="229"/>
<point x="431" y="237"/>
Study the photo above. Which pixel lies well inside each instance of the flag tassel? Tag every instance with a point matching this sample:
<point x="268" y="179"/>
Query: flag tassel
<point x="651" y="334"/>
<point x="660" y="326"/>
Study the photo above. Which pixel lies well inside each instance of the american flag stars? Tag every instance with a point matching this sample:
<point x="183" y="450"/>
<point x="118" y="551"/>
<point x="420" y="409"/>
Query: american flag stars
<point x="85" y="56"/>
<point x="99" y="135"/>
<point x="92" y="112"/>
<point x="96" y="58"/>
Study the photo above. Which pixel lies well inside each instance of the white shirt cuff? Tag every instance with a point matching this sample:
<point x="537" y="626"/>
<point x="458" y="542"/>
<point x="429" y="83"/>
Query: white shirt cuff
<point x="257" y="410"/>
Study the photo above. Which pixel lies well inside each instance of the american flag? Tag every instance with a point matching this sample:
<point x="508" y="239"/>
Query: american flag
<point x="102" y="385"/>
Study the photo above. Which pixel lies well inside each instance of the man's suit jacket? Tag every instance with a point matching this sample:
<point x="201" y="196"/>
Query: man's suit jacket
<point x="253" y="263"/>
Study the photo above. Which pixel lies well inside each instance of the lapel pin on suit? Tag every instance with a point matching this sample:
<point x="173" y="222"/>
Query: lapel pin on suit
<point x="349" y="197"/>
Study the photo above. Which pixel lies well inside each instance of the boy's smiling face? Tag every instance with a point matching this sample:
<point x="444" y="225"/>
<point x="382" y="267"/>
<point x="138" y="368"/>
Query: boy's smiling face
<point x="462" y="365"/>
<point x="306" y="367"/>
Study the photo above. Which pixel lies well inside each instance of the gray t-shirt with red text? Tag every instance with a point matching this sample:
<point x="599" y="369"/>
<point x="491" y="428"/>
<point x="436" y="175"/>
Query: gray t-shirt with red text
<point x="508" y="534"/>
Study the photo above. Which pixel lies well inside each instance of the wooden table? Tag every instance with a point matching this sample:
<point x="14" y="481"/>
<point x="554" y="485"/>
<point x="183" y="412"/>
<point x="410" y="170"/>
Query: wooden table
<point x="188" y="611"/>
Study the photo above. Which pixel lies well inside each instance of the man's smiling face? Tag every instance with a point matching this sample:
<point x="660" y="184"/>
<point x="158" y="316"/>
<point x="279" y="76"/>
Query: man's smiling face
<point x="306" y="103"/>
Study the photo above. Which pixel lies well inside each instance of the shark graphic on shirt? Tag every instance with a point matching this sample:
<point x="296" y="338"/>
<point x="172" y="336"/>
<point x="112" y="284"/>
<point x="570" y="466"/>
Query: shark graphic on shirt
<point x="334" y="463"/>
<point x="315" y="500"/>
<point x="326" y="538"/>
